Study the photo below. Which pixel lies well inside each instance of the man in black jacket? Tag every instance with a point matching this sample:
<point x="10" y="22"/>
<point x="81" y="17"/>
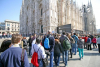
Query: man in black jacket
<point x="52" y="44"/>
<point x="30" y="44"/>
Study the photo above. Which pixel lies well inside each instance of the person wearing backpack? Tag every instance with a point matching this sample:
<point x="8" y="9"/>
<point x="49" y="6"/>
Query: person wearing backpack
<point x="57" y="50"/>
<point x="74" y="46"/>
<point x="51" y="49"/>
<point x="64" y="40"/>
<point x="80" y="44"/>
<point x="46" y="43"/>
<point x="38" y="54"/>
<point x="11" y="57"/>
<point x="72" y="41"/>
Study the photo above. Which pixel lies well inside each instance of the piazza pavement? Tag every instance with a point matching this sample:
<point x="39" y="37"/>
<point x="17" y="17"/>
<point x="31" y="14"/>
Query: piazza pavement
<point x="91" y="59"/>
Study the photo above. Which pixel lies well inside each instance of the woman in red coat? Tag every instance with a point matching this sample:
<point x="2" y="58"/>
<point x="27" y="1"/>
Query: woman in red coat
<point x="94" y="41"/>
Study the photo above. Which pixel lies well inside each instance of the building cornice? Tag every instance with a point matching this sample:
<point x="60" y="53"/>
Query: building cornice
<point x="11" y="21"/>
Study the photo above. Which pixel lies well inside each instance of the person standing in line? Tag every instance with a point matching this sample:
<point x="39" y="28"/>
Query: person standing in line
<point x="40" y="50"/>
<point x="25" y="44"/>
<point x="65" y="52"/>
<point x="33" y="41"/>
<point x="57" y="50"/>
<point x="43" y="40"/>
<point x="5" y="45"/>
<point x="72" y="42"/>
<point x="80" y="44"/>
<point x="98" y="42"/>
<point x="74" y="47"/>
<point x="94" y="41"/>
<point x="30" y="44"/>
<point x="12" y="56"/>
<point x="52" y="44"/>
<point x="85" y="41"/>
<point x="89" y="43"/>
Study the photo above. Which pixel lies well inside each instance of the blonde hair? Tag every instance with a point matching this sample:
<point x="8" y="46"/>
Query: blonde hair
<point x="16" y="38"/>
<point x="69" y="36"/>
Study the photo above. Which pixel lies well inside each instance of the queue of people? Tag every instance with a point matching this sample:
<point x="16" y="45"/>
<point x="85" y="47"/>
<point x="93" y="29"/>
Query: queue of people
<point x="42" y="46"/>
<point x="4" y="35"/>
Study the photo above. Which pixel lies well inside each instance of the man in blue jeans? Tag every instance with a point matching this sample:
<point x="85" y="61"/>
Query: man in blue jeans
<point x="65" y="53"/>
<point x="65" y="57"/>
<point x="52" y="44"/>
<point x="74" y="47"/>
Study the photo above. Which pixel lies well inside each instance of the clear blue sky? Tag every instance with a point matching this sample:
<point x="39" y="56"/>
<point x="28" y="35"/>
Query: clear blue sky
<point x="10" y="9"/>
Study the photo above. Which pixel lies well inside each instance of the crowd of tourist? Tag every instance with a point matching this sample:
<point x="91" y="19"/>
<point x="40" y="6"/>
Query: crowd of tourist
<point x="42" y="46"/>
<point x="4" y="35"/>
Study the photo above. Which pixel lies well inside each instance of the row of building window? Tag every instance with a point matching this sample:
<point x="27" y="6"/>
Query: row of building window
<point x="12" y="25"/>
<point x="15" y="29"/>
<point x="15" y="26"/>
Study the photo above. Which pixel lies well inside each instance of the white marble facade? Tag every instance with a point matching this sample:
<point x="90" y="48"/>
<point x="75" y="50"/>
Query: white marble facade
<point x="39" y="16"/>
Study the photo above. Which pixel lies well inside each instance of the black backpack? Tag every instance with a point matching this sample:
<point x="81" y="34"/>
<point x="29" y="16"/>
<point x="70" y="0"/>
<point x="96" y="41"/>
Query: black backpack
<point x="24" y="42"/>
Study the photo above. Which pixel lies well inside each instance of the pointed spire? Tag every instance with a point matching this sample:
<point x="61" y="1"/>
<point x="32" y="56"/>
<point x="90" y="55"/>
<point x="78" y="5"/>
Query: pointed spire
<point x="71" y="1"/>
<point x="88" y="2"/>
<point x="22" y="2"/>
<point x="82" y="3"/>
<point x="75" y="2"/>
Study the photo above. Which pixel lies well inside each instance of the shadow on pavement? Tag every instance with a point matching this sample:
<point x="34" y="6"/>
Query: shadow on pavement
<point x="92" y="54"/>
<point x="95" y="49"/>
<point x="74" y="59"/>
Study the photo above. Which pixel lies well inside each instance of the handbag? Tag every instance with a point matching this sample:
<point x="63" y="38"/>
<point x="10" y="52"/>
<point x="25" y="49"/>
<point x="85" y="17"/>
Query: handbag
<point x="45" y="62"/>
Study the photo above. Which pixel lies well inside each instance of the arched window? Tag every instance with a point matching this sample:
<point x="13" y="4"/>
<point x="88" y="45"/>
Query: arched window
<point x="41" y="12"/>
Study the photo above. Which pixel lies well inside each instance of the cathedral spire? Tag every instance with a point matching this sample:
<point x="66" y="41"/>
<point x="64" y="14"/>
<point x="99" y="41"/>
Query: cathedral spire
<point x="71" y="1"/>
<point x="22" y="2"/>
<point x="88" y="2"/>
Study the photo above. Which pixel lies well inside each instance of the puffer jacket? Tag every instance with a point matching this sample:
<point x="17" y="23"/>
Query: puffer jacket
<point x="80" y="44"/>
